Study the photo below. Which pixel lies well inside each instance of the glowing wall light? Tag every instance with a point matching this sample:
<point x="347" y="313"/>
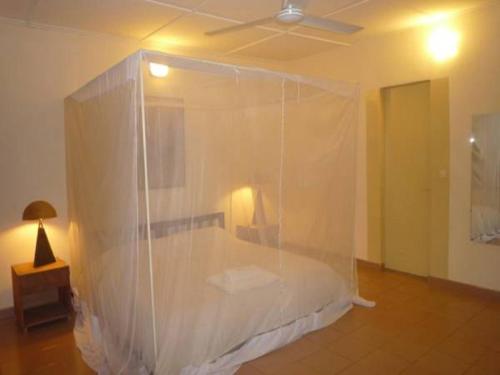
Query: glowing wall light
<point x="243" y="205"/>
<point x="244" y="195"/>
<point x="158" y="70"/>
<point x="443" y="44"/>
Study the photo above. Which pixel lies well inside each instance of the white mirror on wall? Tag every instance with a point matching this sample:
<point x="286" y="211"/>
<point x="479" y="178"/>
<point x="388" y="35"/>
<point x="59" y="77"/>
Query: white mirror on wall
<point x="485" y="179"/>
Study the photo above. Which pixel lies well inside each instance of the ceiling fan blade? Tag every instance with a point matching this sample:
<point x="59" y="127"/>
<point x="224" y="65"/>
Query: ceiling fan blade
<point x="242" y="26"/>
<point x="330" y="25"/>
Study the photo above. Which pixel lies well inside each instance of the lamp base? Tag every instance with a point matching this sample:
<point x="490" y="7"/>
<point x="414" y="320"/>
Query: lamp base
<point x="43" y="251"/>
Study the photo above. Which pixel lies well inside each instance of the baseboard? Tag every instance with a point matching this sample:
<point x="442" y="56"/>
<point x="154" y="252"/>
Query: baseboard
<point x="7" y="313"/>
<point x="461" y="287"/>
<point x="369" y="264"/>
<point x="436" y="281"/>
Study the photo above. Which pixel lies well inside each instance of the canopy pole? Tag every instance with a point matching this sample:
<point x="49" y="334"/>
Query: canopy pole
<point x="280" y="195"/>
<point x="148" y="221"/>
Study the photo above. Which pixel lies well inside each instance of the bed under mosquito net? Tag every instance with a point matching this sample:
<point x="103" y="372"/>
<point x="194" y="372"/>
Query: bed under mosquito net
<point x="211" y="213"/>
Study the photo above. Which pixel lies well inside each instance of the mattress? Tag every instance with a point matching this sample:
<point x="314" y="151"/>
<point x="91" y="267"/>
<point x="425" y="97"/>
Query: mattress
<point x="197" y="323"/>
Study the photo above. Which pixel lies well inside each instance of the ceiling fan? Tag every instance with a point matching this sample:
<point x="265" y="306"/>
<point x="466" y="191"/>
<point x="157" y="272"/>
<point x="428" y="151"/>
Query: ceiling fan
<point x="293" y="14"/>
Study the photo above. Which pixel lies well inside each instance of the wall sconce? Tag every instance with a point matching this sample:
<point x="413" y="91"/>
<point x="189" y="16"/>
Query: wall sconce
<point x="443" y="44"/>
<point x="158" y="70"/>
<point x="39" y="210"/>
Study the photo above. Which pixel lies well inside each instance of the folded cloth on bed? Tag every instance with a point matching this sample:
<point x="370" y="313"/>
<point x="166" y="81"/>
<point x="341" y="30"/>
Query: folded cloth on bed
<point x="239" y="279"/>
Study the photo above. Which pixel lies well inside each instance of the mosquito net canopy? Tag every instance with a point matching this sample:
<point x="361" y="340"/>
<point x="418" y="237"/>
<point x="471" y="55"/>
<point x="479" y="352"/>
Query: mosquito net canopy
<point x="211" y="213"/>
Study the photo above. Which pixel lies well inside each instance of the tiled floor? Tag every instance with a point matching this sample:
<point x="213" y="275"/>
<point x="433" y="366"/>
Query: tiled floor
<point x="46" y="350"/>
<point x="415" y="329"/>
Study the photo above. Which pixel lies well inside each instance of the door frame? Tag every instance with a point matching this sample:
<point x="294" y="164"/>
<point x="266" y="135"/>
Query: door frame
<point x="439" y="146"/>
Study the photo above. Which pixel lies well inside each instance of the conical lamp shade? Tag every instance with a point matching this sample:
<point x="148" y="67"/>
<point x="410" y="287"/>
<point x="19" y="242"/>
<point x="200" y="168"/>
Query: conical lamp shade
<point x="39" y="210"/>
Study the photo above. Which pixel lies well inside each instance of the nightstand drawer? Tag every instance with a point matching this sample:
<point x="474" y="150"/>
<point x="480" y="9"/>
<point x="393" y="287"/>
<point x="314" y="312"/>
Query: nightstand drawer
<point x="43" y="280"/>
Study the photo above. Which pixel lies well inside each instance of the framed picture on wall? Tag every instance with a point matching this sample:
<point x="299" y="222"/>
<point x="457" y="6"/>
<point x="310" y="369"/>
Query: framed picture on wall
<point x="165" y="142"/>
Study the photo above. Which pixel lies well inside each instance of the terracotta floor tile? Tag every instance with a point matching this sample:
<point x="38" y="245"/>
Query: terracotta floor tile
<point x="464" y="350"/>
<point x="442" y="364"/>
<point x="493" y="304"/>
<point x="414" y="288"/>
<point x="325" y="336"/>
<point x="293" y="352"/>
<point x="361" y="314"/>
<point x="351" y="348"/>
<point x="416" y="369"/>
<point x="441" y="324"/>
<point x="348" y="323"/>
<point x="396" y="278"/>
<point x="406" y="349"/>
<point x="369" y="335"/>
<point x="488" y="339"/>
<point x="370" y="290"/>
<point x="377" y="363"/>
<point x="388" y="322"/>
<point x="294" y="368"/>
<point x="324" y="362"/>
<point x="422" y="336"/>
<point x="408" y="313"/>
<point x="392" y="298"/>
<point x="487" y="320"/>
<point x="454" y="308"/>
<point x="430" y="331"/>
<point x="488" y="364"/>
<point x="248" y="369"/>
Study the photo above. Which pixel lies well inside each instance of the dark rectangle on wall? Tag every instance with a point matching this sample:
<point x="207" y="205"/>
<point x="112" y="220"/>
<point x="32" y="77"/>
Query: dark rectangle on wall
<point x="165" y="142"/>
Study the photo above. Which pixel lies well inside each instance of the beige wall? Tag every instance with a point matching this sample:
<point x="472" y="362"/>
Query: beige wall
<point x="401" y="58"/>
<point x="39" y="67"/>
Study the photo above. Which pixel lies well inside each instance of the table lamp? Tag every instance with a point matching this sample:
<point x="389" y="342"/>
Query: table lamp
<point x="39" y="210"/>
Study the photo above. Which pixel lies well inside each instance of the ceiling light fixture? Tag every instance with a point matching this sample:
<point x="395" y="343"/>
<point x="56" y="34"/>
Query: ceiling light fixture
<point x="158" y="70"/>
<point x="443" y="44"/>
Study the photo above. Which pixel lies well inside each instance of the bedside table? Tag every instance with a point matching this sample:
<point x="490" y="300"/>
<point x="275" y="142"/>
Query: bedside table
<point x="266" y="235"/>
<point x="27" y="280"/>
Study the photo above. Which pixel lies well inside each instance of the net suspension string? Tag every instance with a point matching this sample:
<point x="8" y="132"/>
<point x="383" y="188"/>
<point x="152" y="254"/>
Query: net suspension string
<point x="354" y="269"/>
<point x="136" y="289"/>
<point x="237" y="73"/>
<point x="280" y="198"/>
<point x="148" y="221"/>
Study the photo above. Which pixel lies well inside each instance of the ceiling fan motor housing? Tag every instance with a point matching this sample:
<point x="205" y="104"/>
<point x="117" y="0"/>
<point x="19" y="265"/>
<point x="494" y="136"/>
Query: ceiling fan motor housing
<point x="290" y="14"/>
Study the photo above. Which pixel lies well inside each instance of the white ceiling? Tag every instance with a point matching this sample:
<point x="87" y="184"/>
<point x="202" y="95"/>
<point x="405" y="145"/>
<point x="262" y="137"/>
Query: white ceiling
<point x="181" y="24"/>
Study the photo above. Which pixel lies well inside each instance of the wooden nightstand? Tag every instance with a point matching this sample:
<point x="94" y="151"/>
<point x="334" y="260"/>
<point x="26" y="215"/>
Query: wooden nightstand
<point x="266" y="235"/>
<point x="27" y="279"/>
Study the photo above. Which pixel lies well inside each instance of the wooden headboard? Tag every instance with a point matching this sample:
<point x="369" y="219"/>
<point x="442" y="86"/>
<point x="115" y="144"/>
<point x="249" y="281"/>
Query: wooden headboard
<point x="165" y="228"/>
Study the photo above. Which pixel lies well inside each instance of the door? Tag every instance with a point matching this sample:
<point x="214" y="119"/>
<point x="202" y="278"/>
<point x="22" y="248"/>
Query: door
<point x="406" y="189"/>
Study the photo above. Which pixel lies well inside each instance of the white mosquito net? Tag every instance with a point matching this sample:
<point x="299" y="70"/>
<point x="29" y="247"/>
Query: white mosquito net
<point x="211" y="213"/>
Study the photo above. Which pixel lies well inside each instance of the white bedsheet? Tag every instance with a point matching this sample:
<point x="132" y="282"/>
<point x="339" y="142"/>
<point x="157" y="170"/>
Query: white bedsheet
<point x="198" y="323"/>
